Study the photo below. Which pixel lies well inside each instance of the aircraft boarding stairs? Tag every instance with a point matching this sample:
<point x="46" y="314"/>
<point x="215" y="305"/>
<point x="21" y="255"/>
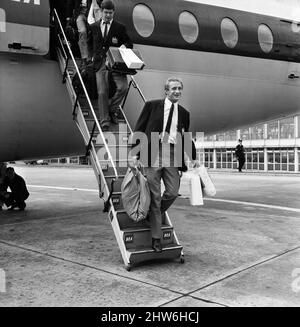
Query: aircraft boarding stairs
<point x="108" y="153"/>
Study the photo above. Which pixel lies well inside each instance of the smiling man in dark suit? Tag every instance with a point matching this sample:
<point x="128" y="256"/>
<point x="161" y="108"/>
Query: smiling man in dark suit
<point x="160" y="139"/>
<point x="108" y="32"/>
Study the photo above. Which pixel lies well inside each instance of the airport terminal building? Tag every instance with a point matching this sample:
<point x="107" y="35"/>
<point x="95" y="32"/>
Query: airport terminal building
<point x="273" y="146"/>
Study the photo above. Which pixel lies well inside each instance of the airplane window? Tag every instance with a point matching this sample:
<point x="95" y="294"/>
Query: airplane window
<point x="188" y="26"/>
<point x="143" y="20"/>
<point x="2" y="21"/>
<point x="265" y="38"/>
<point x="229" y="32"/>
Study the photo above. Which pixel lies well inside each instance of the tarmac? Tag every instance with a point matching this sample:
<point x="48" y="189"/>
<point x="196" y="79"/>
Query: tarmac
<point x="242" y="247"/>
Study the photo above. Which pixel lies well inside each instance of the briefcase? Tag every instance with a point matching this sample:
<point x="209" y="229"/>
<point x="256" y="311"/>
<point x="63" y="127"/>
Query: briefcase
<point x="116" y="62"/>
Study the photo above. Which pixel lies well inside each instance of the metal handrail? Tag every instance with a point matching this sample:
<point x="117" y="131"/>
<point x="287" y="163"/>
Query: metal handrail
<point x="135" y="85"/>
<point x="86" y="94"/>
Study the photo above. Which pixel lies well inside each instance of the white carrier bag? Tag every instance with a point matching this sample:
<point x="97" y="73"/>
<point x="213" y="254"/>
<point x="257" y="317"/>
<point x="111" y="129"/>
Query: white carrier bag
<point x="208" y="187"/>
<point x="195" y="190"/>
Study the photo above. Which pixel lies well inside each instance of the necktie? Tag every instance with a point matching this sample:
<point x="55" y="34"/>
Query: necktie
<point x="168" y="126"/>
<point x="105" y="30"/>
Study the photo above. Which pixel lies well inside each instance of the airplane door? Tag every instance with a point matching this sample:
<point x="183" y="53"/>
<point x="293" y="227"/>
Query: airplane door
<point x="24" y="26"/>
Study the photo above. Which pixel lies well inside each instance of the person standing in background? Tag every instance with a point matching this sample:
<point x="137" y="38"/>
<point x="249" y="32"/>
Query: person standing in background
<point x="240" y="155"/>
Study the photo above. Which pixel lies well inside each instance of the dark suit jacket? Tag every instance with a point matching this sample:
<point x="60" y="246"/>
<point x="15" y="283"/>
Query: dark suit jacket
<point x="73" y="7"/>
<point x="18" y="187"/>
<point x="116" y="36"/>
<point x="240" y="151"/>
<point x="152" y="119"/>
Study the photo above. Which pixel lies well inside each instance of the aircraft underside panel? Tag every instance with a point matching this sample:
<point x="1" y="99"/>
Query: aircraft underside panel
<point x="24" y="26"/>
<point x="36" y="112"/>
<point x="221" y="91"/>
<point x="25" y="39"/>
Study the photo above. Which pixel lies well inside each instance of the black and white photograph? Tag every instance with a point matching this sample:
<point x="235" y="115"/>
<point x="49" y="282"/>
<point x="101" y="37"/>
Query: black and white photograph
<point x="149" y="157"/>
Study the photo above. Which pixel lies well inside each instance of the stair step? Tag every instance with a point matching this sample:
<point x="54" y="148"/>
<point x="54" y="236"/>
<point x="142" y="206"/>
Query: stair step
<point x="119" y="164"/>
<point x="125" y="222"/>
<point x="119" y="131"/>
<point x="109" y="171"/>
<point x="113" y="139"/>
<point x="141" y="237"/>
<point x="85" y="108"/>
<point x="120" y="128"/>
<point x="117" y="183"/>
<point x="87" y="111"/>
<point x="117" y="153"/>
<point x="169" y="251"/>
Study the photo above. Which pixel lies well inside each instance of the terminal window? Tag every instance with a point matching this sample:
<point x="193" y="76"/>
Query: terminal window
<point x="245" y="133"/>
<point x="287" y="128"/>
<point x="226" y="158"/>
<point x="255" y="159"/>
<point x="209" y="158"/>
<point x="281" y="159"/>
<point x="257" y="132"/>
<point x="273" y="130"/>
<point x="231" y="136"/>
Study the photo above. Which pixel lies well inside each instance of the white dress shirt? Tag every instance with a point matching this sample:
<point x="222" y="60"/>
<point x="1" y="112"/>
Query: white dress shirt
<point x="173" y="128"/>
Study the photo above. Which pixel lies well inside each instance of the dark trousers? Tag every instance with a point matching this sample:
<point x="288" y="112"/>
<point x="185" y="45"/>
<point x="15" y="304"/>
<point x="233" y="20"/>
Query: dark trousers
<point x="109" y="106"/>
<point x="171" y="178"/>
<point x="241" y="163"/>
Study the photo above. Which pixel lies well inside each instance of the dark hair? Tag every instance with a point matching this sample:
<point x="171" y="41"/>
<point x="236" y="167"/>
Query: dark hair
<point x="9" y="169"/>
<point x="240" y="140"/>
<point x="107" y="4"/>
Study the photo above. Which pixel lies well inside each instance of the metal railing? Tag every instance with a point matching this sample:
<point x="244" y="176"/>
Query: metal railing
<point x="69" y="56"/>
<point x="134" y="84"/>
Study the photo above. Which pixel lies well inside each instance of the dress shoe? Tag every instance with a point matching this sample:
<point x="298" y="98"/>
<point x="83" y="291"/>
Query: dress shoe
<point x="163" y="217"/>
<point x="156" y="245"/>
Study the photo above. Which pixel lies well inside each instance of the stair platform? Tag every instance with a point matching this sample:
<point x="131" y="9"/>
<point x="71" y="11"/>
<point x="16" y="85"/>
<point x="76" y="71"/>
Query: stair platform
<point x="141" y="254"/>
